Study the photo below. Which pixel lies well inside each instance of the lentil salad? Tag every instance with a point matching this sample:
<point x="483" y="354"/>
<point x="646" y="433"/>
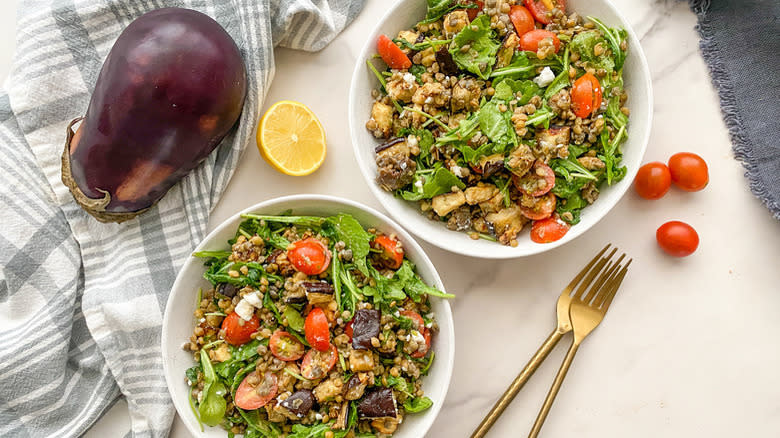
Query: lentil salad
<point x="315" y="327"/>
<point x="495" y="115"/>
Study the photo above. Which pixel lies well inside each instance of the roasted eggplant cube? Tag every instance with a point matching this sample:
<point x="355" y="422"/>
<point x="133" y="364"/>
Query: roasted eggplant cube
<point x="318" y="292"/>
<point x="227" y="290"/>
<point x="378" y="403"/>
<point x="300" y="402"/>
<point x="365" y="326"/>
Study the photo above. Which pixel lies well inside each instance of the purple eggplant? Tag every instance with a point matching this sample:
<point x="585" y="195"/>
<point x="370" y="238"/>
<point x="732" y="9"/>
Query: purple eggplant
<point x="378" y="403"/>
<point x="170" y="89"/>
<point x="365" y="326"/>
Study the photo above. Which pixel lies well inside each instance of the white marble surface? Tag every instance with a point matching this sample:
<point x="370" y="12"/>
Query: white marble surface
<point x="689" y="347"/>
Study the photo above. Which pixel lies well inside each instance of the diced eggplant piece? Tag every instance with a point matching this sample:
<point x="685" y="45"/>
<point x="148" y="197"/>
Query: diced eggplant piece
<point x="491" y="164"/>
<point x="328" y="389"/>
<point x="446" y="63"/>
<point x="387" y="144"/>
<point x="378" y="403"/>
<point x="318" y="292"/>
<point x="356" y="386"/>
<point x="507" y="50"/>
<point x="365" y="326"/>
<point x="227" y="290"/>
<point x="446" y="203"/>
<point x="361" y="360"/>
<point x="341" y="419"/>
<point x="480" y="193"/>
<point x="300" y="403"/>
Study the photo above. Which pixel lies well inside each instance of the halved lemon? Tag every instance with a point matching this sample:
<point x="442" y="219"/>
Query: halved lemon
<point x="291" y="139"/>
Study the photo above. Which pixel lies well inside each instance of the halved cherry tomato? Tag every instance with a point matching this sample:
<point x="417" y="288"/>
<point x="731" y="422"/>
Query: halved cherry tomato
<point x="653" y="180"/>
<point x="256" y="390"/>
<point x="473" y="12"/>
<point x="536" y="182"/>
<point x="521" y="19"/>
<point x="586" y="95"/>
<point x="285" y="346"/>
<point x="348" y="330"/>
<point x="237" y="331"/>
<point x="530" y="40"/>
<point x="393" y="56"/>
<point x="391" y="255"/>
<point x="677" y="238"/>
<point x="541" y="9"/>
<point x="419" y="325"/>
<point x="541" y="207"/>
<point x="309" y="256"/>
<point x="689" y="171"/>
<point x="317" y="364"/>
<point x="549" y="230"/>
<point x="317" y="330"/>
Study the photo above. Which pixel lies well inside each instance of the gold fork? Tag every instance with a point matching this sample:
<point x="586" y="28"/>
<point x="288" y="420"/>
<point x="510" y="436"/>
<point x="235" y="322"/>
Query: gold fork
<point x="586" y="313"/>
<point x="564" y="326"/>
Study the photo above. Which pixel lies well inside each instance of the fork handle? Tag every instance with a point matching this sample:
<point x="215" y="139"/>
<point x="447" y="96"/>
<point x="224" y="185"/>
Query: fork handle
<point x="556" y="386"/>
<point x="518" y="383"/>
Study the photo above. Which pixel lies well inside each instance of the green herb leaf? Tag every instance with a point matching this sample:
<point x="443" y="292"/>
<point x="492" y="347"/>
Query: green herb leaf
<point x="583" y="44"/>
<point x="417" y="404"/>
<point x="440" y="182"/>
<point x="213" y="405"/>
<point x="294" y="319"/>
<point x="348" y="230"/>
<point x="481" y="55"/>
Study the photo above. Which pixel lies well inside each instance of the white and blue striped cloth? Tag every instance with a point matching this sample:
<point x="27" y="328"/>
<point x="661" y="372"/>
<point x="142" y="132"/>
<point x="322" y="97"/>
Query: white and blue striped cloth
<point x="81" y="302"/>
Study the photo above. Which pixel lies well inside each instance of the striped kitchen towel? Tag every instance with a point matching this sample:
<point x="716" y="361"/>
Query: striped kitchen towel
<point x="81" y="302"/>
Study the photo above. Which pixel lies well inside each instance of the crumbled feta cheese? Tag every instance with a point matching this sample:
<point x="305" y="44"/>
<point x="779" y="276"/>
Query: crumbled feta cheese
<point x="429" y="100"/>
<point x="418" y="338"/>
<point x="245" y="310"/>
<point x="409" y="78"/>
<point x="545" y="77"/>
<point x="418" y="184"/>
<point x="458" y="171"/>
<point x="411" y="141"/>
<point x="318" y="416"/>
<point x="254" y="299"/>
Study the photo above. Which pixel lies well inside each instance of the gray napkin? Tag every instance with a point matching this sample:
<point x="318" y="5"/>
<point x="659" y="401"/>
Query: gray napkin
<point x="741" y="44"/>
<point x="81" y="302"/>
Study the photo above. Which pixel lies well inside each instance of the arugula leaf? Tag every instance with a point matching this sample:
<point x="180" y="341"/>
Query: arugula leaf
<point x="615" y="36"/>
<point x="570" y="168"/>
<point x="493" y="123"/>
<point x="541" y="116"/>
<point x="417" y="70"/>
<point x="472" y="156"/>
<point x="437" y="9"/>
<point x="524" y="66"/>
<point x="192" y="374"/>
<point x="417" y="404"/>
<point x="507" y="89"/>
<point x="304" y="221"/>
<point x="481" y="55"/>
<point x="212" y="254"/>
<point x="574" y="205"/>
<point x="269" y="304"/>
<point x="583" y="44"/>
<point x="440" y="182"/>
<point x="213" y="405"/>
<point x="351" y="293"/>
<point x="465" y="130"/>
<point x="562" y="80"/>
<point x="294" y="318"/>
<point x="348" y="230"/>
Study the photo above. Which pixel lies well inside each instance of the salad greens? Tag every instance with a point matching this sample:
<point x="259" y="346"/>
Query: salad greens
<point x="474" y="49"/>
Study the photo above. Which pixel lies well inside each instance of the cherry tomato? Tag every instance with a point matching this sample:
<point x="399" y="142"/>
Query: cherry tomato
<point x="348" y="330"/>
<point x="256" y="390"/>
<point x="677" y="238"/>
<point x="521" y="19"/>
<point x="309" y="256"/>
<point x="393" y="56"/>
<point x="392" y="255"/>
<point x="586" y="95"/>
<point x="536" y="182"/>
<point x="237" y="331"/>
<point x="473" y="12"/>
<point x="530" y="40"/>
<point x="653" y="180"/>
<point x="689" y="171"/>
<point x="541" y="9"/>
<point x="317" y="364"/>
<point x="539" y="208"/>
<point x="317" y="330"/>
<point x="549" y="230"/>
<point x="285" y="346"/>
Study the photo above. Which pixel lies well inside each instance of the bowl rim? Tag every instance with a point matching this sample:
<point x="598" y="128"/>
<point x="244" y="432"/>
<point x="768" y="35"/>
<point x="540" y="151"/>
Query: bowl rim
<point x="390" y="204"/>
<point x="430" y="415"/>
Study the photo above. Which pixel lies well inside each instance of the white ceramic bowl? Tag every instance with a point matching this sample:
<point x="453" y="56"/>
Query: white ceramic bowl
<point x="179" y="322"/>
<point x="403" y="15"/>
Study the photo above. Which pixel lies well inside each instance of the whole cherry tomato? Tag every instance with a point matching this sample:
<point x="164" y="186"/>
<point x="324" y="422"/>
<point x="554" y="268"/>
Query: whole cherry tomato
<point x="677" y="238"/>
<point x="237" y="331"/>
<point x="653" y="180"/>
<point x="689" y="171"/>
